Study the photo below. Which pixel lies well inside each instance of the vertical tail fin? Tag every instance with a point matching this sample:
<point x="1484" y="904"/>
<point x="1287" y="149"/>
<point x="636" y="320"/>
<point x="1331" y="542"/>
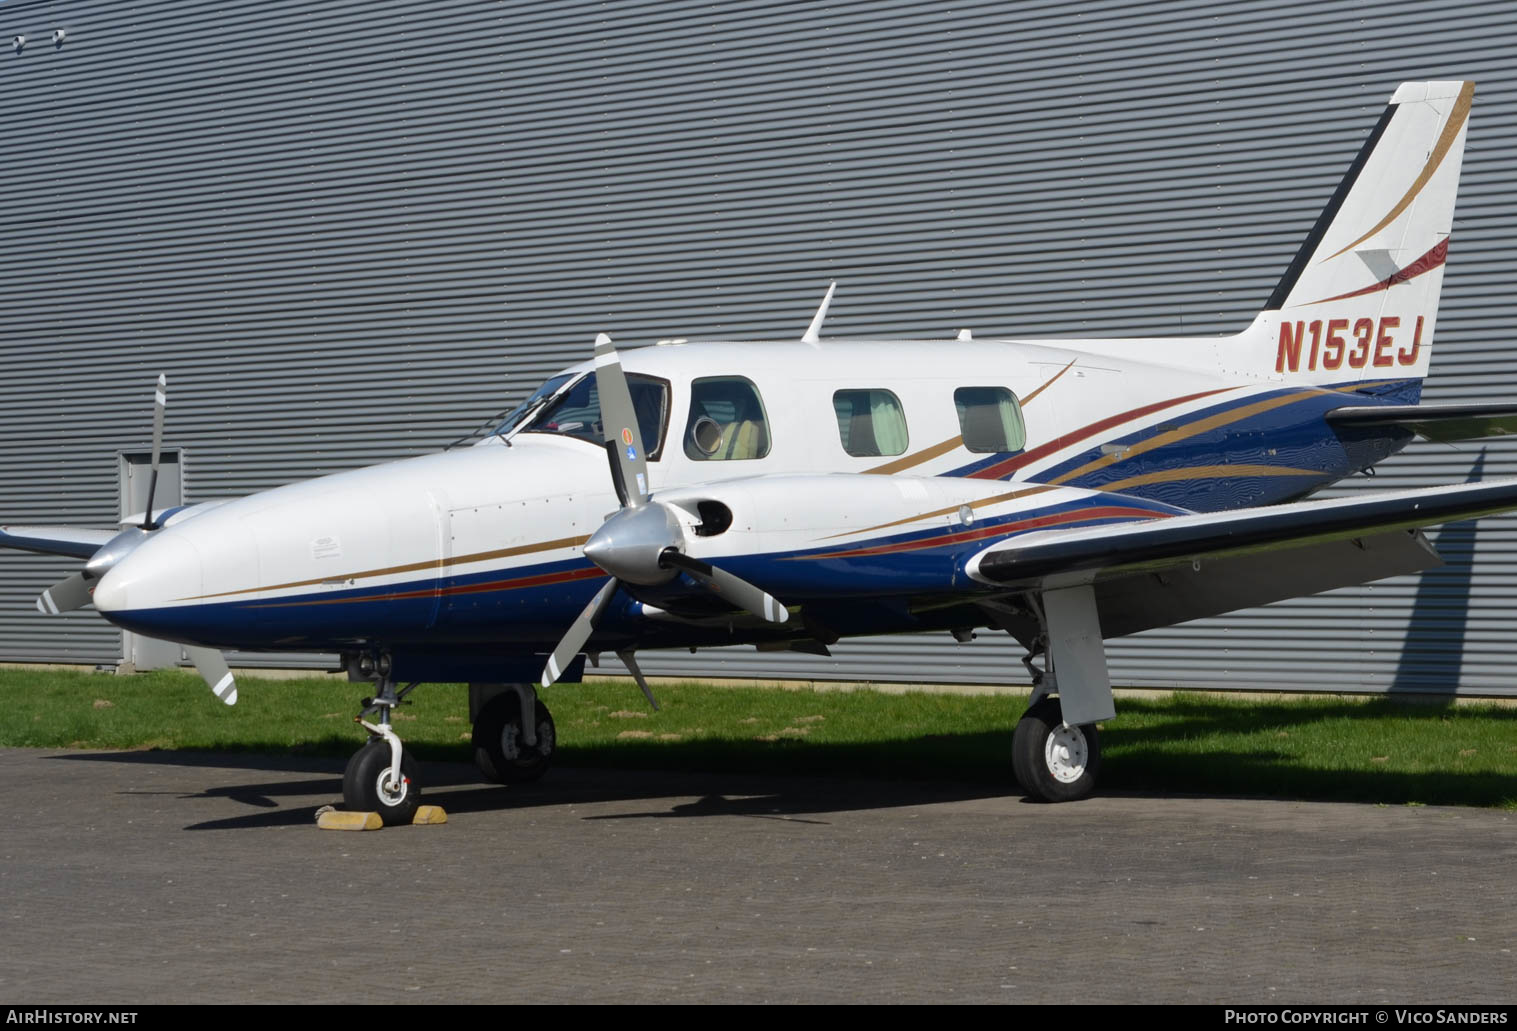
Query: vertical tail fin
<point x="1360" y="300"/>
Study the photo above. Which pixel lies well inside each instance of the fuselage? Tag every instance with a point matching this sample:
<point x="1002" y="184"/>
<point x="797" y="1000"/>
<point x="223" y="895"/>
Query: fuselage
<point x="905" y="451"/>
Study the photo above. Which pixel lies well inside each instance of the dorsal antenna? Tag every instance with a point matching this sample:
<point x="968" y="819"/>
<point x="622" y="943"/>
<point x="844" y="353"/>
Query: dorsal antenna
<point x="814" y="331"/>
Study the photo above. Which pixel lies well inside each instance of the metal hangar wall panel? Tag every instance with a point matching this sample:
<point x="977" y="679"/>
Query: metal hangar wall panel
<point x="350" y="232"/>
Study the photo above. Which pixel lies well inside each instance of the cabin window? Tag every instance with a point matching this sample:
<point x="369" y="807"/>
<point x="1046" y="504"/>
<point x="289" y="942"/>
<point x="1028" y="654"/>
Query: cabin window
<point x="990" y="419"/>
<point x="576" y="412"/>
<point x="871" y="423"/>
<point x="727" y="421"/>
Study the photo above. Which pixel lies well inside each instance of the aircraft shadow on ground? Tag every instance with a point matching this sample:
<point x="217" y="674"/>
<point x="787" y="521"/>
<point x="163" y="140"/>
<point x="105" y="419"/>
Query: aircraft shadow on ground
<point x="793" y="779"/>
<point x="458" y="789"/>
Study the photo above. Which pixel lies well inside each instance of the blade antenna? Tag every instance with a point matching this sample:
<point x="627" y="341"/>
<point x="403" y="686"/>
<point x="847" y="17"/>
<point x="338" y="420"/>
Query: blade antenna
<point x="813" y="335"/>
<point x="637" y="674"/>
<point x="160" y="402"/>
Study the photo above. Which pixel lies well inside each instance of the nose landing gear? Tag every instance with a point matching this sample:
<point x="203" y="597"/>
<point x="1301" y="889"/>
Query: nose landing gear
<point x="382" y="777"/>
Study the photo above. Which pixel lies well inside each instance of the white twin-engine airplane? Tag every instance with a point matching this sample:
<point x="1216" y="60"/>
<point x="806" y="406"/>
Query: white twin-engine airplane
<point x="788" y="494"/>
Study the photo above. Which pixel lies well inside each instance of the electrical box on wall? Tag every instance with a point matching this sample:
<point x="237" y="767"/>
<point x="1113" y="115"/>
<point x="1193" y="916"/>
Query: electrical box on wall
<point x="135" y="471"/>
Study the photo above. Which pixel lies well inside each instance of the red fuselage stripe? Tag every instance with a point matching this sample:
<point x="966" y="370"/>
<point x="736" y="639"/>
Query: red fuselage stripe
<point x="1002" y="529"/>
<point x="1000" y="469"/>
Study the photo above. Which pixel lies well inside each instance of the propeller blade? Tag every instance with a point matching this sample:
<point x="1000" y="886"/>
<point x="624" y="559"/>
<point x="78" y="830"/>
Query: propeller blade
<point x="579" y="632"/>
<point x="160" y="402"/>
<point x="629" y="465"/>
<point x="65" y="596"/>
<point x="212" y="667"/>
<point x="732" y="587"/>
<point x="637" y="674"/>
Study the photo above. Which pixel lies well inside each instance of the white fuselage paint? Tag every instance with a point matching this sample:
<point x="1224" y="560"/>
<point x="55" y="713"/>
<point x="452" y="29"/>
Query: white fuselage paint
<point x="498" y="506"/>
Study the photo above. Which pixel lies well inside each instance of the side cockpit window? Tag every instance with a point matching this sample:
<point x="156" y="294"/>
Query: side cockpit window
<point x="990" y="419"/>
<point x="576" y="412"/>
<point x="871" y="423"/>
<point x="726" y="421"/>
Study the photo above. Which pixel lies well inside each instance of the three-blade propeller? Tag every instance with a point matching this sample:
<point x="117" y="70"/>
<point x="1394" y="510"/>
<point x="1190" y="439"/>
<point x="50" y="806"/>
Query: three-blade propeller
<point x="643" y="542"/>
<point x="74" y="592"/>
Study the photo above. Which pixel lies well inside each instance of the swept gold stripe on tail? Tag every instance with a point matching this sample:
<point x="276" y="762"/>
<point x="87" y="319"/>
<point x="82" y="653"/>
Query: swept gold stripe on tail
<point x="1440" y="151"/>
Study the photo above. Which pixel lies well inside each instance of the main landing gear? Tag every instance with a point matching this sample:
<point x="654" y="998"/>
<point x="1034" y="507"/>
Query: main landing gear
<point x="1056" y="750"/>
<point x="1052" y="761"/>
<point x="513" y="733"/>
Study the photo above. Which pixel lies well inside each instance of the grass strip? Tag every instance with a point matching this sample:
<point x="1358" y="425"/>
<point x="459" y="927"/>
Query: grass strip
<point x="1375" y="750"/>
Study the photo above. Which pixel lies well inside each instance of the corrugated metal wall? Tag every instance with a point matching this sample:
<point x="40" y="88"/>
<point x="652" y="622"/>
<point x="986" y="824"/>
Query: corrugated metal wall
<point x="351" y="231"/>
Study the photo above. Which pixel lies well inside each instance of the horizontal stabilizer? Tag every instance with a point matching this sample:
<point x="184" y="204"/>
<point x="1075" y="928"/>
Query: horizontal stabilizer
<point x="73" y="541"/>
<point x="1444" y="423"/>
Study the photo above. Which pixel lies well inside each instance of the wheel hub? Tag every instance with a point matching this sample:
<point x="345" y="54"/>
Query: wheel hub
<point x="511" y="744"/>
<point x="390" y="793"/>
<point x="1066" y="753"/>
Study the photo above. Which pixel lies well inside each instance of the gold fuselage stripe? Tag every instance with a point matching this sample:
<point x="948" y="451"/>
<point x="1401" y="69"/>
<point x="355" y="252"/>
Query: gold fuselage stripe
<point x="980" y="503"/>
<point x="1185" y="432"/>
<point x="411" y="567"/>
<point x="1206" y="472"/>
<point x="953" y="443"/>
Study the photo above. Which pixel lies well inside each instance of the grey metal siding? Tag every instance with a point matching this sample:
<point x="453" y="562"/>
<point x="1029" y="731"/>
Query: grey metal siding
<point x="350" y="231"/>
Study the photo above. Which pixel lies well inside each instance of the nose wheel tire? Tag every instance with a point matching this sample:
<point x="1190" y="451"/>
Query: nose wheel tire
<point x="499" y="750"/>
<point x="367" y="786"/>
<point x="1052" y="762"/>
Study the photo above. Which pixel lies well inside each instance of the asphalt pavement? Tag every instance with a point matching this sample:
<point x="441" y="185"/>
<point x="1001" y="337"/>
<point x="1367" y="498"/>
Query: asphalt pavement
<point x="153" y="877"/>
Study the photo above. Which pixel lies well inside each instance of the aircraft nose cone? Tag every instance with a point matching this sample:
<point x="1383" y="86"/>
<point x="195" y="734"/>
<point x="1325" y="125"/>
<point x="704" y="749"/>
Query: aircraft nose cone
<point x="165" y="569"/>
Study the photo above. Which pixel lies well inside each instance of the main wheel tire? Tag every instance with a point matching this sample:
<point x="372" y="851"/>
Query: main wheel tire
<point x="1055" y="763"/>
<point x="367" y="786"/>
<point x="498" y="749"/>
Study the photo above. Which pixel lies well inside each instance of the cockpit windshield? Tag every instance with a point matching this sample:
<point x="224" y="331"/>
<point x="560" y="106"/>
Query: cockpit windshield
<point x="520" y="413"/>
<point x="575" y="412"/>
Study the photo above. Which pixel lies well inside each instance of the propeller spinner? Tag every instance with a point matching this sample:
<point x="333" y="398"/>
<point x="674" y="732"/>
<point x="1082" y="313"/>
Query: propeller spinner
<point x="643" y="542"/>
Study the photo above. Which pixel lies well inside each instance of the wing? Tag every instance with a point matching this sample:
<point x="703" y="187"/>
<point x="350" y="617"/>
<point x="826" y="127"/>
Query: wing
<point x="76" y="542"/>
<point x="1165" y="571"/>
<point x="1446" y="423"/>
<point x="83" y="542"/>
